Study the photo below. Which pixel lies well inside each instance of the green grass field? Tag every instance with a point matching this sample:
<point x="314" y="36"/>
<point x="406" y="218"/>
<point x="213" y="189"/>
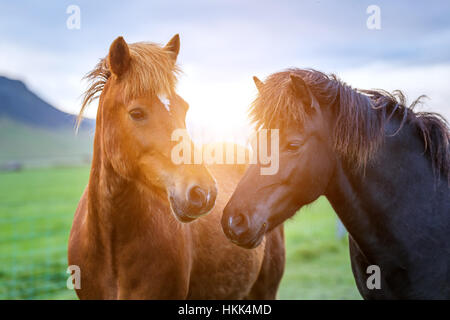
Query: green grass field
<point x="36" y="210"/>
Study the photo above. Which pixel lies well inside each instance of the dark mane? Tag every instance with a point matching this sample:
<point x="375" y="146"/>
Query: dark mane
<point x="360" y="115"/>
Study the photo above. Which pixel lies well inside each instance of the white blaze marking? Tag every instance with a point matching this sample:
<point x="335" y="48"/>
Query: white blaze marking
<point x="165" y="102"/>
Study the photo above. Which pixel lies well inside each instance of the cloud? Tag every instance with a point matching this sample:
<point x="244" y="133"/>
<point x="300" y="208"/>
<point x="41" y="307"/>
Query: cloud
<point x="414" y="81"/>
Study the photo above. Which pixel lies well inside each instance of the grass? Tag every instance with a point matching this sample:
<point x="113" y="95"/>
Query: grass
<point x="317" y="262"/>
<point x="36" y="211"/>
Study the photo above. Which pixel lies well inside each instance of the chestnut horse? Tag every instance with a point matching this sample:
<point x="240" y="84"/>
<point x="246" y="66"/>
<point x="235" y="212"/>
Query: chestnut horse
<point x="130" y="235"/>
<point x="384" y="168"/>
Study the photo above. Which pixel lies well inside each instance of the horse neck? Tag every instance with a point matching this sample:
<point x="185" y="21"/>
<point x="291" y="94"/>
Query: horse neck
<point x="115" y="202"/>
<point x="374" y="203"/>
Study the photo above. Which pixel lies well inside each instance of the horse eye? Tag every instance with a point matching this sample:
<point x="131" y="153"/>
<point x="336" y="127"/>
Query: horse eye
<point x="293" y="146"/>
<point x="137" y="114"/>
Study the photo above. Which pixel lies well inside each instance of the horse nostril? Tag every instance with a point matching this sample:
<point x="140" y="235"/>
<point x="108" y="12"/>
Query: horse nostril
<point x="238" y="224"/>
<point x="197" y="196"/>
<point x="237" y="220"/>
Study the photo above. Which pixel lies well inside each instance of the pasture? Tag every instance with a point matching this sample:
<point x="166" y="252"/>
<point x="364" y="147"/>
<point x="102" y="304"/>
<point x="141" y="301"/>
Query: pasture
<point x="36" y="210"/>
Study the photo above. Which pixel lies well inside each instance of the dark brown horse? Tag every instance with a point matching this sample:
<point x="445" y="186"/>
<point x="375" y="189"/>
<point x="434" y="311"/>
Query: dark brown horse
<point x="128" y="235"/>
<point x="384" y="168"/>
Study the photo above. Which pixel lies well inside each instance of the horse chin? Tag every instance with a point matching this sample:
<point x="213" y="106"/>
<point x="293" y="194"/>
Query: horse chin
<point x="184" y="219"/>
<point x="251" y="243"/>
<point x="179" y="211"/>
<point x="248" y="241"/>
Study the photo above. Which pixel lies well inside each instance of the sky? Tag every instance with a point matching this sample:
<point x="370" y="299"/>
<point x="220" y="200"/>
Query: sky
<point x="225" y="43"/>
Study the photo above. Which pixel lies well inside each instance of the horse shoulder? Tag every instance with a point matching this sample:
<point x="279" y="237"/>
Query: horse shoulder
<point x="76" y="230"/>
<point x="83" y="252"/>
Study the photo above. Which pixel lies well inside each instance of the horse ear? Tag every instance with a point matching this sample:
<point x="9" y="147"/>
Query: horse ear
<point x="119" y="57"/>
<point x="302" y="91"/>
<point x="173" y="46"/>
<point x="259" y="84"/>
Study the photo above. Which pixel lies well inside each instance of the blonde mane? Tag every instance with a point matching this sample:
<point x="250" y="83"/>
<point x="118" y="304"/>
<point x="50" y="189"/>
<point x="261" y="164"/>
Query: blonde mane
<point x="152" y="70"/>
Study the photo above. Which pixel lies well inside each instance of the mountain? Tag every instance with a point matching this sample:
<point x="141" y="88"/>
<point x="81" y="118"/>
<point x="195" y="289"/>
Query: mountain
<point x="18" y="103"/>
<point x="33" y="133"/>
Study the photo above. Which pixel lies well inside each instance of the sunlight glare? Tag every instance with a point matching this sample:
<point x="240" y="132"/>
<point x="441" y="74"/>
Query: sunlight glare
<point x="217" y="109"/>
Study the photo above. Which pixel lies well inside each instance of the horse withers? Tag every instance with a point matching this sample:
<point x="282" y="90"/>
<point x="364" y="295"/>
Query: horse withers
<point x="130" y="236"/>
<point x="384" y="168"/>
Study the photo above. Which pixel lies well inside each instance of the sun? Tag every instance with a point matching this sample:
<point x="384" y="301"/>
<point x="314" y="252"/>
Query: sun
<point x="217" y="109"/>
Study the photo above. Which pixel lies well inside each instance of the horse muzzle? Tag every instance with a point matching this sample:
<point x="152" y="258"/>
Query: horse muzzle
<point x="240" y="230"/>
<point x="195" y="203"/>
